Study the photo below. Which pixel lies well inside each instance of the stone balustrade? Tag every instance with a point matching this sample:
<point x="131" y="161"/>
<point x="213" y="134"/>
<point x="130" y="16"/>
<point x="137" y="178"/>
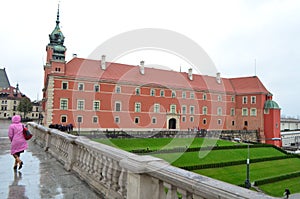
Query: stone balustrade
<point x="120" y="174"/>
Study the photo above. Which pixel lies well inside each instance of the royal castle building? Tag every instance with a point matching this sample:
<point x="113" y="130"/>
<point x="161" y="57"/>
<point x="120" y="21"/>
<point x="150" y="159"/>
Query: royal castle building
<point x="100" y="95"/>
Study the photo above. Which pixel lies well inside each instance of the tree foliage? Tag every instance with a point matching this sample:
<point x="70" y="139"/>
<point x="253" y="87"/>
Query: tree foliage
<point x="25" y="106"/>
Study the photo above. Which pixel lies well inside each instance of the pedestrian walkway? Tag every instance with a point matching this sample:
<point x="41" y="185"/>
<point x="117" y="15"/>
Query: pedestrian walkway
<point x="42" y="176"/>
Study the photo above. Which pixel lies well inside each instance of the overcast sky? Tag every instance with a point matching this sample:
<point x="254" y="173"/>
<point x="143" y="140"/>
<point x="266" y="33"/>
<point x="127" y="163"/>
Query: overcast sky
<point x="233" y="33"/>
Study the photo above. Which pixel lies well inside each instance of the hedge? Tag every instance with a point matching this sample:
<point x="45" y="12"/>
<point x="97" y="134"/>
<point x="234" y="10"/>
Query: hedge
<point x="233" y="163"/>
<point x="277" y="178"/>
<point x="185" y="149"/>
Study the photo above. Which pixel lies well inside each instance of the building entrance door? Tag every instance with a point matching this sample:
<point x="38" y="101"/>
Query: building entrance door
<point x="172" y="123"/>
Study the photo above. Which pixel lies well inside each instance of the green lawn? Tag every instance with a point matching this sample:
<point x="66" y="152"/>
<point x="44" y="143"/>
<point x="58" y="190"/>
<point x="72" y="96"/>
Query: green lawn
<point x="237" y="174"/>
<point x="162" y="143"/>
<point x="215" y="156"/>
<point x="277" y="188"/>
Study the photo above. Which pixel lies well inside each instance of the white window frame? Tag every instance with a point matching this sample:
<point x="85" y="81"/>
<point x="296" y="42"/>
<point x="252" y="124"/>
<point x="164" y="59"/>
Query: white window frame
<point x="183" y="95"/>
<point x="152" y="92"/>
<point x="62" y="117"/>
<point x="204" y="110"/>
<point x="232" y="111"/>
<point x="253" y="112"/>
<point x="183" y="109"/>
<point x="173" y="108"/>
<point x="137" y="107"/>
<point x="253" y="99"/>
<point x="192" y="110"/>
<point x="173" y="94"/>
<point x="244" y="111"/>
<point x="62" y="85"/>
<point x="94" y="105"/>
<point x="117" y="119"/>
<point x="162" y="93"/>
<point x="93" y="119"/>
<point x="192" y="95"/>
<point x="153" y="120"/>
<point x="80" y="105"/>
<point x="81" y="86"/>
<point x="156" y="108"/>
<point x="61" y="104"/>
<point x="118" y="89"/>
<point x="120" y="106"/>
<point x="96" y="86"/>
<point x="245" y="100"/>
<point x="219" y="111"/>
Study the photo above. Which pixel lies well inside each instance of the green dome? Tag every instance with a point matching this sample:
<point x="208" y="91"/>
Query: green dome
<point x="59" y="49"/>
<point x="270" y="104"/>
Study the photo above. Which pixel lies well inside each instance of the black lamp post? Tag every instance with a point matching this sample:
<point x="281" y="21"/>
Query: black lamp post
<point x="247" y="181"/>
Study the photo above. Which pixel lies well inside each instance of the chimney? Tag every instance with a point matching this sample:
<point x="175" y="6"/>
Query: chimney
<point x="103" y="62"/>
<point x="190" y="75"/>
<point x="218" y="78"/>
<point x="142" y="67"/>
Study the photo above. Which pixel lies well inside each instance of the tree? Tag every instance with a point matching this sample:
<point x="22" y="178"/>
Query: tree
<point x="25" y="106"/>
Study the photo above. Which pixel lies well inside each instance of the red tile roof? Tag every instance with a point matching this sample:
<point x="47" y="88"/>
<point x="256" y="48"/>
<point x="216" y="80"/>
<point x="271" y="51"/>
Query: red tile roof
<point x="115" y="72"/>
<point x="11" y="93"/>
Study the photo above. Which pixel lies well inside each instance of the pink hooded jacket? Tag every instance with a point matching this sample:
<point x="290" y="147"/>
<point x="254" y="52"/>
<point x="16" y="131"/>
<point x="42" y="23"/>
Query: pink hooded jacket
<point x="15" y="134"/>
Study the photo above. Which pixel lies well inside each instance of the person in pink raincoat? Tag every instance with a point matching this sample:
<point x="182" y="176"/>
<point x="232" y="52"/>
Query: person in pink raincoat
<point x="18" y="142"/>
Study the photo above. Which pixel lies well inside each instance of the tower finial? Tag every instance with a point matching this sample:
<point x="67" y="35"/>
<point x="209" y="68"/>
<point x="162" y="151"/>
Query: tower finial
<point x="57" y="17"/>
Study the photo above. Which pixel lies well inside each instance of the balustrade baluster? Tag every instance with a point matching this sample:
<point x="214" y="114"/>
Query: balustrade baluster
<point x="116" y="171"/>
<point x="172" y="193"/>
<point x="122" y="182"/>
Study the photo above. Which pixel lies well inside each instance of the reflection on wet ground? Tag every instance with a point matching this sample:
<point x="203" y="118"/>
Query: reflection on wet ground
<point x="41" y="176"/>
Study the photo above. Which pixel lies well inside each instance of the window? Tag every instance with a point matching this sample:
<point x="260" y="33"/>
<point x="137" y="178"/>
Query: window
<point x="183" y="94"/>
<point x="63" y="119"/>
<point x="137" y="107"/>
<point x="204" y="96"/>
<point x="253" y="112"/>
<point x="118" y="89"/>
<point x="117" y="119"/>
<point x="232" y="111"/>
<point x="183" y="118"/>
<point x="136" y="120"/>
<point x="219" y="98"/>
<point x="244" y="99"/>
<point x="266" y="111"/>
<point x="192" y="119"/>
<point x="162" y="93"/>
<point x="244" y="112"/>
<point x="138" y="91"/>
<point x="192" y="95"/>
<point x="204" y="110"/>
<point x="183" y="109"/>
<point x="232" y="98"/>
<point x="96" y="105"/>
<point x="173" y="108"/>
<point x="192" y="110"/>
<point x="204" y="121"/>
<point x="81" y="86"/>
<point x="152" y="92"/>
<point x="63" y="104"/>
<point x="80" y="104"/>
<point x="253" y="99"/>
<point x="118" y="106"/>
<point x="173" y="94"/>
<point x="96" y="88"/>
<point x="154" y="120"/>
<point x="64" y="85"/>
<point x="245" y="123"/>
<point x="232" y="122"/>
<point x="79" y="119"/>
<point x="219" y="111"/>
<point x="219" y="121"/>
<point x="156" y="108"/>
<point x="15" y="102"/>
<point x="95" y="119"/>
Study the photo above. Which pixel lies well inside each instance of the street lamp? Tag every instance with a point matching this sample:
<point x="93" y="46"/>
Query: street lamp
<point x="247" y="181"/>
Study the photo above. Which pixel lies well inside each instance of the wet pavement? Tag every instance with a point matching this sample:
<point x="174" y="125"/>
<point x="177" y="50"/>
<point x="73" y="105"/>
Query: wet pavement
<point x="41" y="176"/>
